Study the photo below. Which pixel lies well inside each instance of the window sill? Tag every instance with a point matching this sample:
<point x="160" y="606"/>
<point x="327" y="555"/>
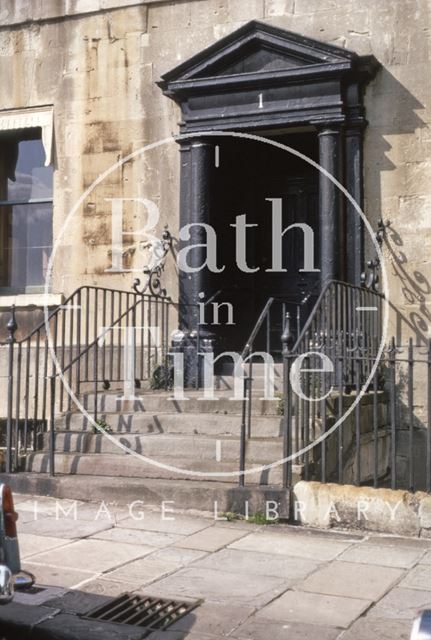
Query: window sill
<point x="25" y="300"/>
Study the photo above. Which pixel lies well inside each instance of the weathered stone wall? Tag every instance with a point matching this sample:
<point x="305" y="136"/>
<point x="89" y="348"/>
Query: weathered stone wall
<point x="363" y="508"/>
<point x="97" y="62"/>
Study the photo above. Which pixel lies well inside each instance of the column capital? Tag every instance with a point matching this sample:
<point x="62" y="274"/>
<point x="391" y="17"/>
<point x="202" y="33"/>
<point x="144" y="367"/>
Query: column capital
<point x="190" y="140"/>
<point x="329" y="129"/>
<point x="201" y="142"/>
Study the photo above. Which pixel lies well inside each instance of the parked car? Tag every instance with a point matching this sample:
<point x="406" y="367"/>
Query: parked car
<point x="12" y="577"/>
<point x="9" y="550"/>
<point x="422" y="626"/>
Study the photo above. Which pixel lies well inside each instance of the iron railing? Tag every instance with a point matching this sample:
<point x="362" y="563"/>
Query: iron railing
<point x="369" y="418"/>
<point x="81" y="347"/>
<point x="385" y="440"/>
<point x="342" y="335"/>
<point x="272" y="315"/>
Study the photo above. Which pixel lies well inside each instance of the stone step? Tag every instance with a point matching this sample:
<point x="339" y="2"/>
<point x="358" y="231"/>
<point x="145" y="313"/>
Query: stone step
<point x="164" y="402"/>
<point x="225" y="379"/>
<point x="185" y="423"/>
<point x="225" y="383"/>
<point x="258" y="368"/>
<point x="193" y="448"/>
<point x="115" y="465"/>
<point x="215" y="498"/>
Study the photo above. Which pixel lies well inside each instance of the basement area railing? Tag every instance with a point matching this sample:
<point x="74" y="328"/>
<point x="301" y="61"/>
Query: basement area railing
<point x="334" y="360"/>
<point x="355" y="411"/>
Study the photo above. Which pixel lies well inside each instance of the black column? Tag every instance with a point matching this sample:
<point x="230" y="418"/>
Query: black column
<point x="185" y="181"/>
<point x="330" y="220"/>
<point x="354" y="185"/>
<point x="202" y="155"/>
<point x="197" y="162"/>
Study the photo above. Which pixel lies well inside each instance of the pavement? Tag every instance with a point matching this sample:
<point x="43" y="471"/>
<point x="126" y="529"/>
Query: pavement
<point x="257" y="581"/>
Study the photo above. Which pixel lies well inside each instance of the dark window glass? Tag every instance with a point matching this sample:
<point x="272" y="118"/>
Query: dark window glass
<point x="25" y="212"/>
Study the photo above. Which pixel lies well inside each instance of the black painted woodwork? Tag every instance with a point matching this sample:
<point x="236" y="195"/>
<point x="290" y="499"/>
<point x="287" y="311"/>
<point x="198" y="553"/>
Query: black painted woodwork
<point x="263" y="78"/>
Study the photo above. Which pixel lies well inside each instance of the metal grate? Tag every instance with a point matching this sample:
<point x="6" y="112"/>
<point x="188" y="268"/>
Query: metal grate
<point x="143" y="611"/>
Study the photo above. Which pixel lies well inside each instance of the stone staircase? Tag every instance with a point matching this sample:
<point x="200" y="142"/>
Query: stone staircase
<point x="160" y="446"/>
<point x="192" y="439"/>
<point x="170" y="444"/>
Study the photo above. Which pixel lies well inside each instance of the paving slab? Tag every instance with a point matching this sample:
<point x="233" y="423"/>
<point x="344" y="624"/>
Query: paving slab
<point x="42" y="504"/>
<point x="403" y="557"/>
<point x="219" y="586"/>
<point x="176" y="635"/>
<point x="260" y="629"/>
<point x="389" y="541"/>
<point x="177" y="556"/>
<point x="141" y="571"/>
<point x="401" y="604"/>
<point x="353" y="580"/>
<point x="105" y="587"/>
<point x="200" y="636"/>
<point x="426" y="558"/>
<point x="155" y="539"/>
<point x="169" y="523"/>
<point x="64" y="527"/>
<point x="278" y="582"/>
<point x="91" y="555"/>
<point x="238" y="524"/>
<point x="418" y="578"/>
<point x="72" y="509"/>
<point x="289" y="568"/>
<point x="210" y="618"/>
<point x="312" y="547"/>
<point x="55" y="575"/>
<point x="371" y="629"/>
<point x="30" y="544"/>
<point x="212" y="538"/>
<point x="27" y="516"/>
<point x="312" y="608"/>
<point x="96" y="512"/>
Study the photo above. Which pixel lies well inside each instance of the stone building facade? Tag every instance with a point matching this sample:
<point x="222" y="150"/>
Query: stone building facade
<point x="96" y="64"/>
<point x="121" y="119"/>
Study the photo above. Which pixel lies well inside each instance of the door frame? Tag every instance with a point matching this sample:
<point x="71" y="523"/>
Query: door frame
<point x="286" y="80"/>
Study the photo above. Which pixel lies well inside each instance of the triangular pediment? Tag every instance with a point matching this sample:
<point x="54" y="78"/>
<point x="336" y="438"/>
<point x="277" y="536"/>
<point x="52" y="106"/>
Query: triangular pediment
<point x="257" y="47"/>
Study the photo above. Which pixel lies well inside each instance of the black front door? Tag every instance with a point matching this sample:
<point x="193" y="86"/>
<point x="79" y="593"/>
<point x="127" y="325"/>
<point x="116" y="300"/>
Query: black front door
<point x="260" y="185"/>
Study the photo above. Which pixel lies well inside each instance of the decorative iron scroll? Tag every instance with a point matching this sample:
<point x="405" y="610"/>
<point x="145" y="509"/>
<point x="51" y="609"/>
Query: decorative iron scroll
<point x="153" y="271"/>
<point x="370" y="278"/>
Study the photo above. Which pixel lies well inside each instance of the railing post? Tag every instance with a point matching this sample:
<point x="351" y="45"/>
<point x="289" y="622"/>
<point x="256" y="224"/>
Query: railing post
<point x="52" y="427"/>
<point x="286" y="341"/>
<point x="11" y="327"/>
<point x="250" y="391"/>
<point x="243" y="433"/>
<point x="410" y="365"/>
<point x="392" y="407"/>
<point x="198" y="348"/>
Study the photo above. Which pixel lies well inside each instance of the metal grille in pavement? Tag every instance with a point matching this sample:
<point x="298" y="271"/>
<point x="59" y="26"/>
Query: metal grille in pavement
<point x="143" y="611"/>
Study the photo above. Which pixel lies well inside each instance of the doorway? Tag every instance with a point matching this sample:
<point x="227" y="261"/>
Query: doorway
<point x="252" y="178"/>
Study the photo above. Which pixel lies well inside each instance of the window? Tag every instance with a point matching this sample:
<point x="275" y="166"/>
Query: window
<point x="25" y="210"/>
